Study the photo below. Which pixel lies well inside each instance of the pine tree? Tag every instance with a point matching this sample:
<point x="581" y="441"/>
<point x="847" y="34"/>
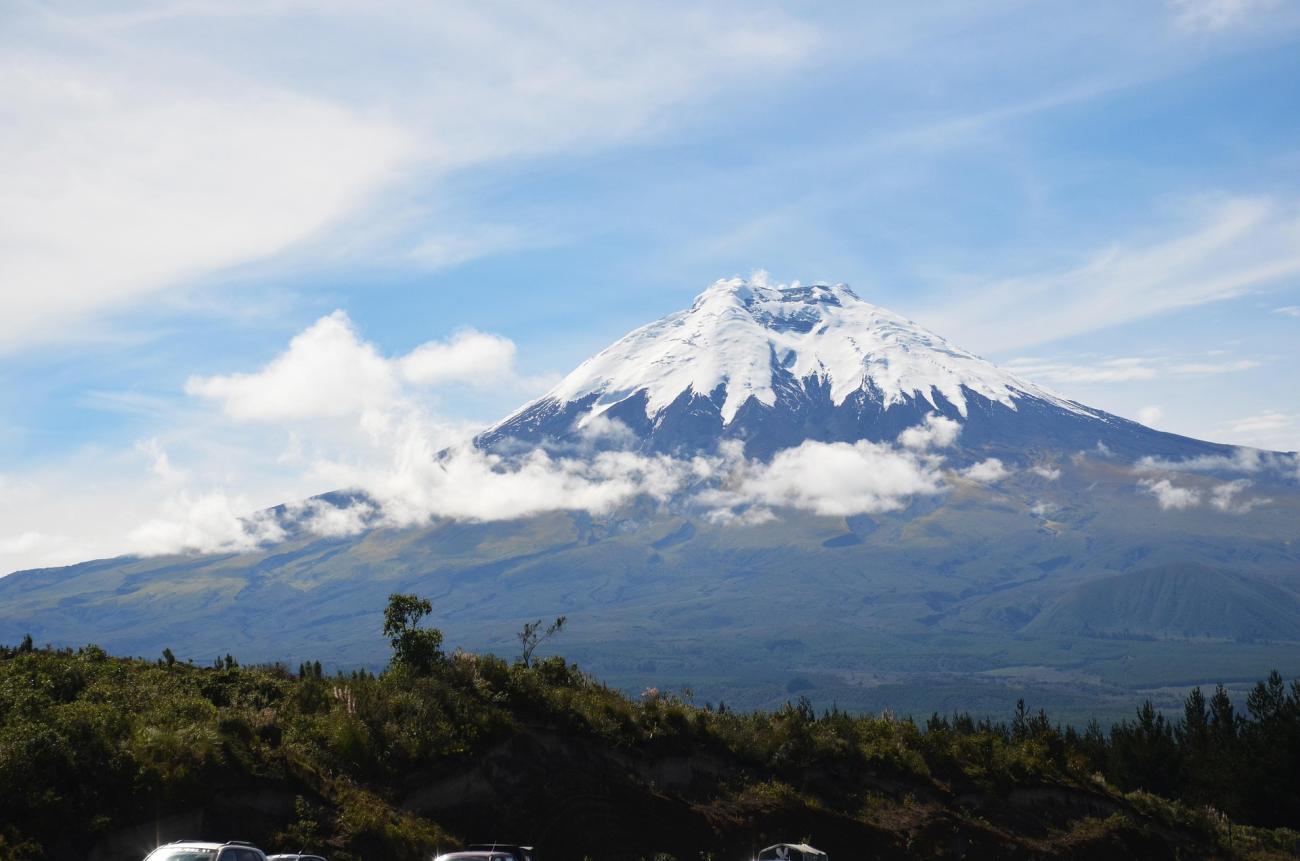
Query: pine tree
<point x="1193" y="735"/>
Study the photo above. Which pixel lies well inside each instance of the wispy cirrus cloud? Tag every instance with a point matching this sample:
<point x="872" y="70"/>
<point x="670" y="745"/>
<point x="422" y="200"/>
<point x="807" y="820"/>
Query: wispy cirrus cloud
<point x="118" y="186"/>
<point x="148" y="147"/>
<point x="1219" y="250"/>
<point x="1211" y="15"/>
<point x="1123" y="369"/>
<point x="1275" y="429"/>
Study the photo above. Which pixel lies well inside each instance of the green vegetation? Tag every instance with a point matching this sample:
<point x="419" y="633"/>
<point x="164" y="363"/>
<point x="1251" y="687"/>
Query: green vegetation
<point x="108" y="755"/>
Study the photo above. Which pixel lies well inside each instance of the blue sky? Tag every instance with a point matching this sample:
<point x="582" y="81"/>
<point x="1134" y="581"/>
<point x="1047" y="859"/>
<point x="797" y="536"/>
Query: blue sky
<point x="1105" y="196"/>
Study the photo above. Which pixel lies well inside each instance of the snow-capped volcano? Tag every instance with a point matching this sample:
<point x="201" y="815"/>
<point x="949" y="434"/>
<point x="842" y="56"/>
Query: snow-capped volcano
<point x="741" y="335"/>
<point x="774" y="365"/>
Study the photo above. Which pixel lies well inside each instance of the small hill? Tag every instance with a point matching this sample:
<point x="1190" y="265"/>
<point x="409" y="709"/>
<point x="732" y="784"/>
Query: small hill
<point x="103" y="758"/>
<point x="1176" y="600"/>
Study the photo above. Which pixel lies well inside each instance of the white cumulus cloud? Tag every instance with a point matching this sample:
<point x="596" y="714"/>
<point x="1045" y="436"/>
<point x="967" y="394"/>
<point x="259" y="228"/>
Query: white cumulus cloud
<point x="1150" y="416"/>
<point x="329" y="371"/>
<point x="935" y="432"/>
<point x="469" y="357"/>
<point x="836" y="478"/>
<point x="1224" y="497"/>
<point x="211" y="522"/>
<point x="987" y="471"/>
<point x="1169" y="495"/>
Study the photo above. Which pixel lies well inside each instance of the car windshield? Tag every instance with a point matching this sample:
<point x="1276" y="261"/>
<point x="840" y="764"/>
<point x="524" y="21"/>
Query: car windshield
<point x="169" y="853"/>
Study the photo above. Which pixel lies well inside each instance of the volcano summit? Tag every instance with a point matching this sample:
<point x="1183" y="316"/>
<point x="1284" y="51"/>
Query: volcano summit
<point x="775" y="365"/>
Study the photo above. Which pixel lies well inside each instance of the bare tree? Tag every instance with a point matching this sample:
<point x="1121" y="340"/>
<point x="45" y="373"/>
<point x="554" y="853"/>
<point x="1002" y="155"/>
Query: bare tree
<point x="533" y="636"/>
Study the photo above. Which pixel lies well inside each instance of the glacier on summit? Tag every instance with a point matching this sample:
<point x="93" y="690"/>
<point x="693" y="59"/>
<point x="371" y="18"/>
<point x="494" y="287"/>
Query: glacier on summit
<point x="774" y="365"/>
<point x="738" y="332"/>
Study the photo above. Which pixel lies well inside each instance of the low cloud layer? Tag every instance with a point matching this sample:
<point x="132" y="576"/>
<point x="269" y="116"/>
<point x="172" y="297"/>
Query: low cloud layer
<point x="1182" y="484"/>
<point x="405" y="468"/>
<point x="1226" y="496"/>
<point x="1241" y="460"/>
<point x="461" y="482"/>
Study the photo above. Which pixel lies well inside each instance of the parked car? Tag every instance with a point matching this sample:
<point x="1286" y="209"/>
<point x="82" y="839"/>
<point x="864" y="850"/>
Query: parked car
<point x="791" y="852"/>
<point x="202" y="850"/>
<point x="517" y="852"/>
<point x="295" y="858"/>
<point x="476" y="855"/>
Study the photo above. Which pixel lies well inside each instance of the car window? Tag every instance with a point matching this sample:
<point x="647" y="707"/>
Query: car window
<point x="169" y="854"/>
<point x="235" y="853"/>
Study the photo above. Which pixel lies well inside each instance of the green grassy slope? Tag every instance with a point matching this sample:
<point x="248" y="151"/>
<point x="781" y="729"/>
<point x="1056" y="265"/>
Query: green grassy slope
<point x="1175" y="600"/>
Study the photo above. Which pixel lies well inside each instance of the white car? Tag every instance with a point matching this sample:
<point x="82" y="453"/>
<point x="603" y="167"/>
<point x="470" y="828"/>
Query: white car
<point x="476" y="856"/>
<point x="292" y="857"/>
<point x="199" y="850"/>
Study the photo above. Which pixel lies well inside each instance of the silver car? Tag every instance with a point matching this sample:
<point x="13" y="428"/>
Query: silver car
<point x="200" y="850"/>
